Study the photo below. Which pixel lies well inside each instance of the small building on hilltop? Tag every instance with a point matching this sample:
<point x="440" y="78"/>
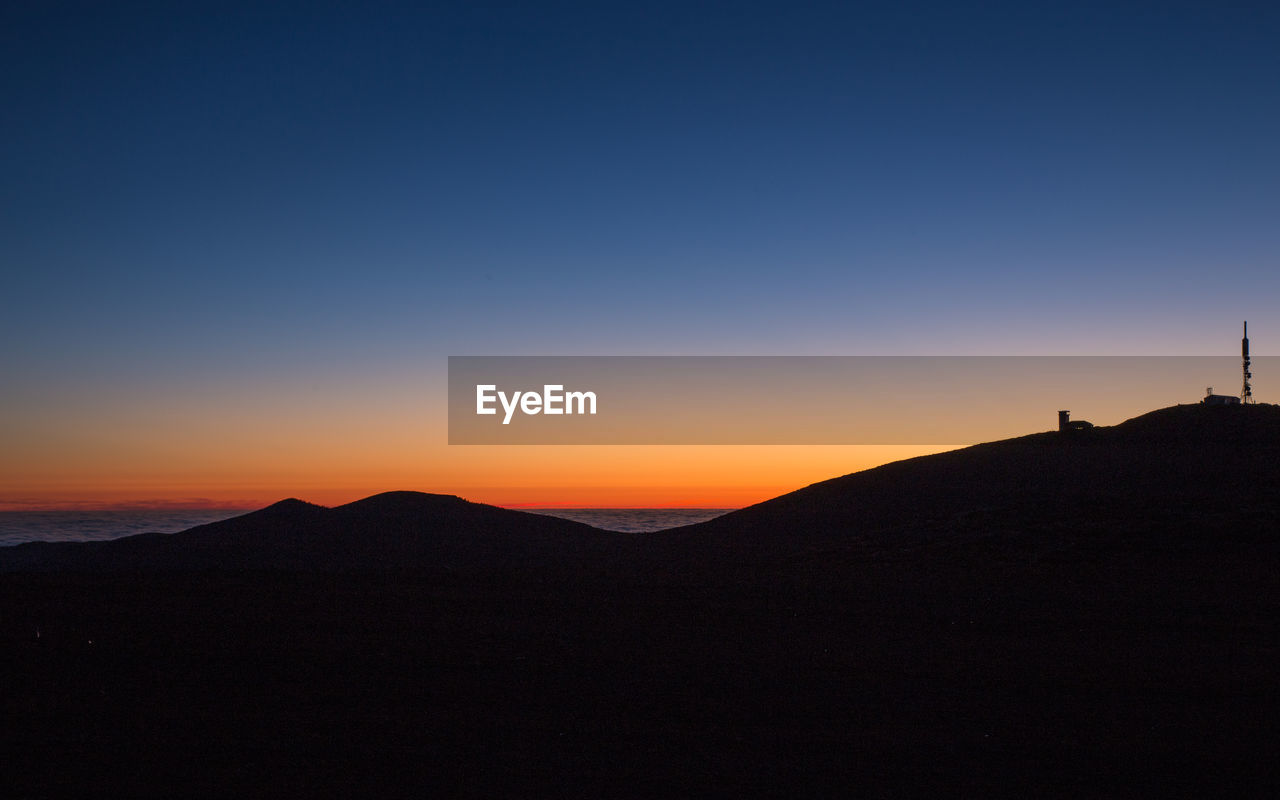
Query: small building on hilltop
<point x="1211" y="399"/>
<point x="1066" y="424"/>
<point x="1246" y="389"/>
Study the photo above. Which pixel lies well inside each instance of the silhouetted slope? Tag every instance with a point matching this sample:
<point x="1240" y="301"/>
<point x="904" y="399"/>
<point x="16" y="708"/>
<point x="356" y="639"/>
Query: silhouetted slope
<point x="1176" y="468"/>
<point x="1178" y="465"/>
<point x="393" y="530"/>
<point x="1048" y="616"/>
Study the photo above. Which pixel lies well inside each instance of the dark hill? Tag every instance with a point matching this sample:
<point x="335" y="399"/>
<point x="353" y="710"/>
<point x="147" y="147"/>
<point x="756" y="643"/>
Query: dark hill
<point x="393" y="530"/>
<point x="1178" y="467"/>
<point x="1092" y="615"/>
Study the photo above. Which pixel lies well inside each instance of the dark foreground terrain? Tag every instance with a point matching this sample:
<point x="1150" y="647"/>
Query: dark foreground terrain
<point x="1092" y="615"/>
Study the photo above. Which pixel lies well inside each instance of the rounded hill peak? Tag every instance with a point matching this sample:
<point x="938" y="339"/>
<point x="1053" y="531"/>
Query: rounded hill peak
<point x="401" y="502"/>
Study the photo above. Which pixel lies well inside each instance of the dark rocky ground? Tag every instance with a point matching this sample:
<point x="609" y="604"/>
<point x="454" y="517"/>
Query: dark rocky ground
<point x="1094" y="615"/>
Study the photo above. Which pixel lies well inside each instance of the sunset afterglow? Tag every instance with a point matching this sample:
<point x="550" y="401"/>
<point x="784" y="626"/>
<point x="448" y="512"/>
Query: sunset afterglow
<point x="239" y="247"/>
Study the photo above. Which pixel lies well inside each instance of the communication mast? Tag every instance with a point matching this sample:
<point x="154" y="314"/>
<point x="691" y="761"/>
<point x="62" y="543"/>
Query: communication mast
<point x="1246" y="393"/>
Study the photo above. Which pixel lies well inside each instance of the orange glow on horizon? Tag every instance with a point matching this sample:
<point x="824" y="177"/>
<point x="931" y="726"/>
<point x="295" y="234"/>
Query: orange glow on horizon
<point x="513" y="477"/>
<point x="336" y="438"/>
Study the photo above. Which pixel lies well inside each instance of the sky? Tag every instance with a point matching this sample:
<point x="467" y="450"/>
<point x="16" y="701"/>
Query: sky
<point x="239" y="241"/>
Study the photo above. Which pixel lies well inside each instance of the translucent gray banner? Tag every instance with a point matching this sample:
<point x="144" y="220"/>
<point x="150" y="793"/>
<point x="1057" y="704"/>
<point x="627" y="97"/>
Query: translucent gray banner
<point x="816" y="399"/>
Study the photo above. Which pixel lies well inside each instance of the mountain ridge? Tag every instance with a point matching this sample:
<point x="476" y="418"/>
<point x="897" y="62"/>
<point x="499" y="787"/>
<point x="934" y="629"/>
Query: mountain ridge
<point x="389" y="530"/>
<point x="1091" y="615"/>
<point x="1194" y="461"/>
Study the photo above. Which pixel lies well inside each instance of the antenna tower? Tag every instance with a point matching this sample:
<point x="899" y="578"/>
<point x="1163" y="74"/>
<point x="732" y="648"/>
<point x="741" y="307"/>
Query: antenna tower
<point x="1246" y="393"/>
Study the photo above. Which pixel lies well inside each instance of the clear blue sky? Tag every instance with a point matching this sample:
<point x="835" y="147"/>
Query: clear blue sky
<point x="207" y="191"/>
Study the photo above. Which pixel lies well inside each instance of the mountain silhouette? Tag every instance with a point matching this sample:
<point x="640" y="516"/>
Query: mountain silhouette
<point x="1088" y="614"/>
<point x="1180" y="467"/>
<point x="392" y="530"/>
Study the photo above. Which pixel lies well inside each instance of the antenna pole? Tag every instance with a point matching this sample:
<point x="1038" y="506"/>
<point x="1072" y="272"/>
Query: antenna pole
<point x="1246" y="393"/>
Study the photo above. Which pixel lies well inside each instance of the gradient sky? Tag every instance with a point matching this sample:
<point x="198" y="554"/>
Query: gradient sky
<point x="239" y="241"/>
